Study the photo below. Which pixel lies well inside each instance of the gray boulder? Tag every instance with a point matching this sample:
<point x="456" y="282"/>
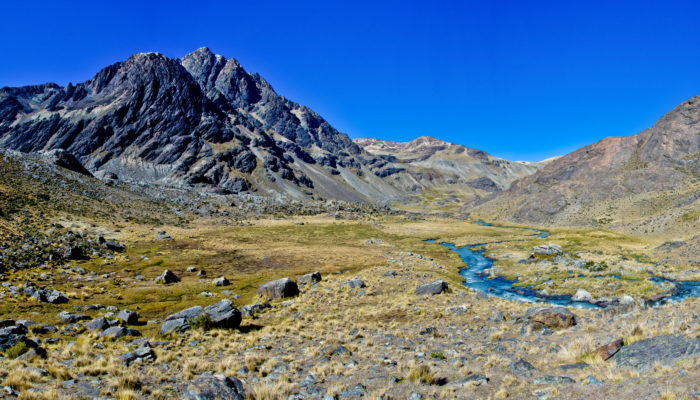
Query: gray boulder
<point x="278" y="289"/>
<point x="117" y="332"/>
<point x="143" y="353"/>
<point x="97" y="324"/>
<point x="50" y="296"/>
<point x="129" y="317"/>
<point x="222" y="315"/>
<point x="436" y="287"/>
<point x="167" y="277"/>
<point x="582" y="295"/>
<point x="221" y="281"/>
<point x="214" y="387"/>
<point x="547" y="250"/>
<point x="355" y="283"/>
<point x="643" y="355"/>
<point x="251" y="309"/>
<point x="310" y="279"/>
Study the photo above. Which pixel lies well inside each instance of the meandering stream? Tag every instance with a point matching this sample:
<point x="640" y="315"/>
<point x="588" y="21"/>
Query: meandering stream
<point x="477" y="277"/>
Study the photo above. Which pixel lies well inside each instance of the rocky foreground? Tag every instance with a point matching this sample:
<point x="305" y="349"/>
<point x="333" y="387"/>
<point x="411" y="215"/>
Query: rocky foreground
<point x="392" y="331"/>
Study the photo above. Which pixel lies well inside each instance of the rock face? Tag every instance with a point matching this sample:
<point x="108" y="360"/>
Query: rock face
<point x="666" y="349"/>
<point x="204" y="121"/>
<point x="539" y="318"/>
<point x="213" y="387"/>
<point x="278" y="289"/>
<point x="436" y="287"/>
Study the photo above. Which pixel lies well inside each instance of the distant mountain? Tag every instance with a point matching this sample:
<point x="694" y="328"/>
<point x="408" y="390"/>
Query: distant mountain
<point x="203" y="121"/>
<point x="432" y="169"/>
<point x="649" y="181"/>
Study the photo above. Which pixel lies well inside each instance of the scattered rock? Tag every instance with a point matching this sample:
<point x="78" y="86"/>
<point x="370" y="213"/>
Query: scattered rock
<point x="97" y="324"/>
<point x="114" y="246"/>
<point x="71" y="318"/>
<point x="213" y="387"/>
<point x="522" y="368"/>
<point x="221" y="281"/>
<point x="355" y="283"/>
<point x="278" y="289"/>
<point x="608" y="350"/>
<point x="167" y="277"/>
<point x="129" y="317"/>
<point x="547" y="250"/>
<point x="436" y="287"/>
<point x="310" y="279"/>
<point x="222" y="315"/>
<point x="117" y="332"/>
<point x="143" y="353"/>
<point x="582" y="295"/>
<point x="538" y="318"/>
<point x="552" y="380"/>
<point x="251" y="309"/>
<point x="50" y="296"/>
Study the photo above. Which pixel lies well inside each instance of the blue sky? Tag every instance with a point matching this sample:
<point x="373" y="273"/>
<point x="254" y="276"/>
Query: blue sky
<point x="522" y="80"/>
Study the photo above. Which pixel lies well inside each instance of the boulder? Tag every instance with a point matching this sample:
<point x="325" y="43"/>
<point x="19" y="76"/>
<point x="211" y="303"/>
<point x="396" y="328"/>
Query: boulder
<point x="538" y="318"/>
<point x="117" y="332"/>
<point x="643" y="355"/>
<point x="251" y="309"/>
<point x="310" y="279"/>
<point x="522" y="368"/>
<point x="114" y="246"/>
<point x="355" y="283"/>
<point x="436" y="287"/>
<point x="213" y="387"/>
<point x="50" y="296"/>
<point x="222" y="315"/>
<point x="129" y="317"/>
<point x="97" y="324"/>
<point x="143" y="353"/>
<point x="608" y="350"/>
<point x="63" y="159"/>
<point x="74" y="253"/>
<point x="278" y="289"/>
<point x="167" y="277"/>
<point x="71" y="318"/>
<point x="547" y="250"/>
<point x="582" y="295"/>
<point x="221" y="281"/>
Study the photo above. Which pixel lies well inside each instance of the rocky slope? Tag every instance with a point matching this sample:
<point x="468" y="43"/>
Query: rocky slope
<point x="200" y="121"/>
<point x="645" y="183"/>
<point x="450" y="173"/>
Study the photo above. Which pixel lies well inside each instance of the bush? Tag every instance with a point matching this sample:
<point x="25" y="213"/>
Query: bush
<point x="202" y="321"/>
<point x="17" y="350"/>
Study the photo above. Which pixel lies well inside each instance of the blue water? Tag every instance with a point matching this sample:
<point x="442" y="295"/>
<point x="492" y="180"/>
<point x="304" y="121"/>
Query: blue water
<point x="477" y="277"/>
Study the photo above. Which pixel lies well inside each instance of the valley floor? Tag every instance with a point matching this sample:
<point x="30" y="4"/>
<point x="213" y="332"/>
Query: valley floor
<point x="337" y="339"/>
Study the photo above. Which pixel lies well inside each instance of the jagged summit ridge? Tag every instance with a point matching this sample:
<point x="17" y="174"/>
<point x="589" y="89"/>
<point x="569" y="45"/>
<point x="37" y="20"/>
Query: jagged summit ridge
<point x="202" y="121"/>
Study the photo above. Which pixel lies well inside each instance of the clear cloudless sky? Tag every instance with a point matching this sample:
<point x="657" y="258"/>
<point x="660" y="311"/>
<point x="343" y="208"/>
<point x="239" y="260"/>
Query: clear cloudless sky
<point x="523" y="80"/>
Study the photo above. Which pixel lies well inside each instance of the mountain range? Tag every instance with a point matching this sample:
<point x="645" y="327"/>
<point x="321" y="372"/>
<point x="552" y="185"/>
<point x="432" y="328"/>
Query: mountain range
<point x="204" y="122"/>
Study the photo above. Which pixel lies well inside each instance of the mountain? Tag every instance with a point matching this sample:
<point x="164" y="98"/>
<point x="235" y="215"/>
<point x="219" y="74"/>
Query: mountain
<point x="646" y="182"/>
<point x="204" y="122"/>
<point x="448" y="174"/>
